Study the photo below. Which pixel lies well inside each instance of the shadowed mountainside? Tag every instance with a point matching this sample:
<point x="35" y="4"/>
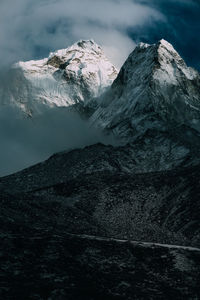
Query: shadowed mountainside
<point x="51" y="221"/>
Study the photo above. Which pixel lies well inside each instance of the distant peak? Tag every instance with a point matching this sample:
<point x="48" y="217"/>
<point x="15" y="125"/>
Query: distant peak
<point x="159" y="61"/>
<point x="143" y="45"/>
<point x="161" y="51"/>
<point x="162" y="44"/>
<point x="86" y="45"/>
<point x="166" y="45"/>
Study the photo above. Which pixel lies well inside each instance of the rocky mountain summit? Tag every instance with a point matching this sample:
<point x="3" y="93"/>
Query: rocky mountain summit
<point x="68" y="76"/>
<point x="153" y="86"/>
<point x="154" y="103"/>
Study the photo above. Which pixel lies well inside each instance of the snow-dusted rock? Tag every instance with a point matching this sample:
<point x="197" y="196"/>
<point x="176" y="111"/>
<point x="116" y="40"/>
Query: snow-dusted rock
<point x="154" y="103"/>
<point x="66" y="77"/>
<point x="154" y="82"/>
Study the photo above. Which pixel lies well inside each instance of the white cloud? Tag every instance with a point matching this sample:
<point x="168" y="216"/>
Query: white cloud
<point x="27" y="25"/>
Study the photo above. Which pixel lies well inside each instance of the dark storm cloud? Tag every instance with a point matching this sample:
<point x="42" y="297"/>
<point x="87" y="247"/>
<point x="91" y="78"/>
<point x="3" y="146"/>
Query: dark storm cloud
<point x="181" y="27"/>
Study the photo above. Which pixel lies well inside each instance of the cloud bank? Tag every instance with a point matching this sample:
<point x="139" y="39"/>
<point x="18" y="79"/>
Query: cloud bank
<point x="25" y="142"/>
<point x="30" y="29"/>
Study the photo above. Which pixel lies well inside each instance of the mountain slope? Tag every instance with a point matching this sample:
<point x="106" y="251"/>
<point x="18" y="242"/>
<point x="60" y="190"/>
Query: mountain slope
<point x="97" y="185"/>
<point x="153" y="83"/>
<point x="66" y="227"/>
<point x="66" y="77"/>
<point x="154" y="103"/>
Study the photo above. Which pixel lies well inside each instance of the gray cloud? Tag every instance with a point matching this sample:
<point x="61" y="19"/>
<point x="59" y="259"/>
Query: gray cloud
<point x="33" y="28"/>
<point x="27" y="141"/>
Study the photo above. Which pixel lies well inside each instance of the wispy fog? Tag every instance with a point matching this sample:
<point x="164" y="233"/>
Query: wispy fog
<point x="31" y="29"/>
<point x="27" y="141"/>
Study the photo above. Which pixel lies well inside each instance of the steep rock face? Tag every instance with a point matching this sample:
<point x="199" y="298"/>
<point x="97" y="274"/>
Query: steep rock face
<point x="66" y="77"/>
<point x="154" y="82"/>
<point x="155" y="103"/>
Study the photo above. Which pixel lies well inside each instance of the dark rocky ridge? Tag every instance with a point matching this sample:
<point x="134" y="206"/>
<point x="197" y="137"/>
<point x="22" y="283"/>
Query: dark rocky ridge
<point x="70" y="164"/>
<point x="53" y="213"/>
<point x="100" y="185"/>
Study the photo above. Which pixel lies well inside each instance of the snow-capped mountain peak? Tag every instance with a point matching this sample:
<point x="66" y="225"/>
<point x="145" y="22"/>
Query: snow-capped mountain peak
<point x="165" y="44"/>
<point x="154" y="102"/>
<point x="68" y="76"/>
<point x="153" y="76"/>
<point x="172" y="63"/>
<point x="86" y="45"/>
